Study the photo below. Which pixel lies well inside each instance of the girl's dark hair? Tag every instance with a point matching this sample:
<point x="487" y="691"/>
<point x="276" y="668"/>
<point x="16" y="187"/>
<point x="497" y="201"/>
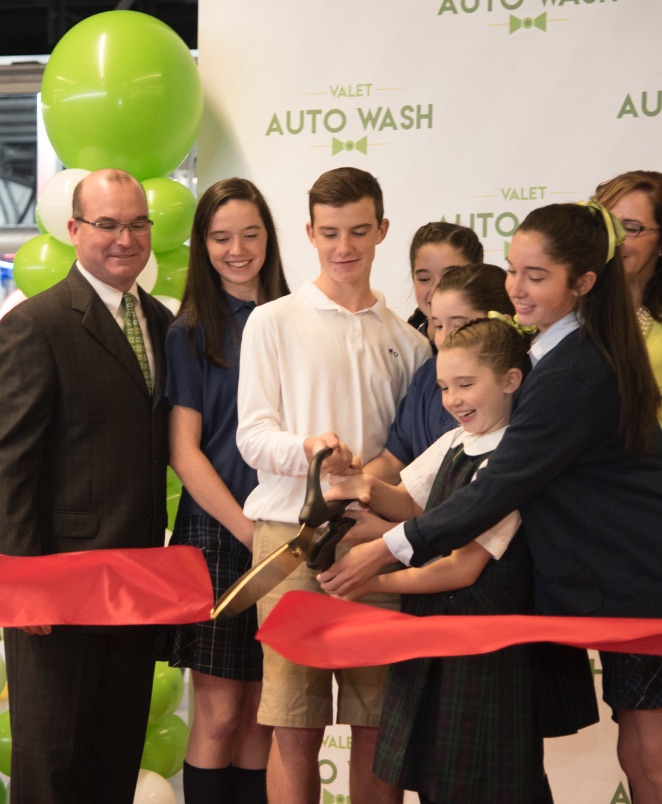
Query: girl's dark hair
<point x="495" y="343"/>
<point x="649" y="182"/>
<point x="203" y="301"/>
<point x="575" y="236"/>
<point x="458" y="237"/>
<point x="482" y="285"/>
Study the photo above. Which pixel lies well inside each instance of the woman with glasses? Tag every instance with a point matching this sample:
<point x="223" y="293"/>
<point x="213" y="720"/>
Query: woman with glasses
<point x="635" y="198"/>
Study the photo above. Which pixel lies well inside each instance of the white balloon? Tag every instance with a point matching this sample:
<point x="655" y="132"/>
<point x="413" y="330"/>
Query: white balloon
<point x="149" y="274"/>
<point x="170" y="302"/>
<point x="153" y="789"/>
<point x="54" y="207"/>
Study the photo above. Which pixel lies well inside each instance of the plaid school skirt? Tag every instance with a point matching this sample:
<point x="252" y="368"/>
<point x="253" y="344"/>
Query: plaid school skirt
<point x="631" y="681"/>
<point x="224" y="648"/>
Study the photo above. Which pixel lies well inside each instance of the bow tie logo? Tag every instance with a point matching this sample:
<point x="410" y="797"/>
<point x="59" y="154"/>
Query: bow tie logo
<point x="329" y="798"/>
<point x="349" y="145"/>
<point x="539" y="22"/>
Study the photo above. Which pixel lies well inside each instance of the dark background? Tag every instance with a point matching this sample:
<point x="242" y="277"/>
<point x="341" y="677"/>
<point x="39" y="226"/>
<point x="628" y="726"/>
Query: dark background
<point x="34" y="27"/>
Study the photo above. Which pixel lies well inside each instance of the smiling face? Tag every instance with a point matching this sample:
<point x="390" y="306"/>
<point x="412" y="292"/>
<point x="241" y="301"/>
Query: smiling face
<point x="449" y="310"/>
<point x="345" y="238"/>
<point x="237" y="246"/>
<point x="640" y="253"/>
<point x="539" y="287"/>
<point x="115" y="259"/>
<point x="430" y="264"/>
<point x="472" y="393"/>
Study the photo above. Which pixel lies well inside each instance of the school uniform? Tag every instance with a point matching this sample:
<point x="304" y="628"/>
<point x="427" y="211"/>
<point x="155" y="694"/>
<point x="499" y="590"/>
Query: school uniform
<point x="591" y="512"/>
<point x="223" y="648"/>
<point x="470" y="728"/>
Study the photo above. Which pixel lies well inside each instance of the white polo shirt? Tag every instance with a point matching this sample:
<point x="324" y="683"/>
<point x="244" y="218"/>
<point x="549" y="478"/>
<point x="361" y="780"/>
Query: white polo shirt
<point x="309" y="366"/>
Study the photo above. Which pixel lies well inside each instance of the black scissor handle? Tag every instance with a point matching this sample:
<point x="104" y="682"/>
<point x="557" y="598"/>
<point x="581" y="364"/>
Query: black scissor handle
<point x="323" y="552"/>
<point x="315" y="510"/>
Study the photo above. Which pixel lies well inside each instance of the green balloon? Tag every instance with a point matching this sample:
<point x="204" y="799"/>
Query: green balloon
<point x="173" y="267"/>
<point x="173" y="493"/>
<point x="38" y="221"/>
<point x="171" y="206"/>
<point x="165" y="746"/>
<point x="122" y="90"/>
<point x="41" y="263"/>
<point x="167" y="691"/>
<point x="5" y="743"/>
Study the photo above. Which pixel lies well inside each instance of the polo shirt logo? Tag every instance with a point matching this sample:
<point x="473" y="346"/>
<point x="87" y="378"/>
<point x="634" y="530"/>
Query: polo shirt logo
<point x="393" y="353"/>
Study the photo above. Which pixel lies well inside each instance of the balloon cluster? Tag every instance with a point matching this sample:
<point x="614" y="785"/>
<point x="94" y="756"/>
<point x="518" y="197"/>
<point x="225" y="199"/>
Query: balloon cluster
<point x="120" y="90"/>
<point x="167" y="734"/>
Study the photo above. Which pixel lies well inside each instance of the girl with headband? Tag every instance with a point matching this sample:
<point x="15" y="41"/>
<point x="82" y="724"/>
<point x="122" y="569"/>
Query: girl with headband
<point x="463" y="292"/>
<point x="581" y="461"/>
<point x="467" y="728"/>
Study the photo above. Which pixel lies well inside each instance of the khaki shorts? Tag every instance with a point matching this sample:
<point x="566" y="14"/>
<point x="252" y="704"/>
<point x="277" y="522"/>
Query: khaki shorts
<point x="302" y="697"/>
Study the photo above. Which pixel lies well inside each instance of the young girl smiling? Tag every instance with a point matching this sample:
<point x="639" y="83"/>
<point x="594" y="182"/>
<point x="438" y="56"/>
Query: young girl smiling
<point x="581" y="461"/>
<point x="464" y="728"/>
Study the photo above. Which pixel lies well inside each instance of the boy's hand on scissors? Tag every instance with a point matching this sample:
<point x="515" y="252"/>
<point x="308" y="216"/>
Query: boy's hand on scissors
<point x="340" y="459"/>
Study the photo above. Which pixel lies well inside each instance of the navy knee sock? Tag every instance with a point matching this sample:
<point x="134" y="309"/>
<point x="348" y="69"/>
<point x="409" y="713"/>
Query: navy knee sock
<point x="250" y="786"/>
<point x="205" y="785"/>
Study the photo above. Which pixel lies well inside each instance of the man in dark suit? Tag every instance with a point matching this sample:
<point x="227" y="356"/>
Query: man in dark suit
<point x="83" y="454"/>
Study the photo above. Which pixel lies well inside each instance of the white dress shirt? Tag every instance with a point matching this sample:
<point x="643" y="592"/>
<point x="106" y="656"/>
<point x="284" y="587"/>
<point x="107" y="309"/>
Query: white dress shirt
<point x="112" y="298"/>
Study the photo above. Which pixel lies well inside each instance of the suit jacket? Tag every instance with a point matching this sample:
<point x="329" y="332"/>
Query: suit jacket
<point x="83" y="445"/>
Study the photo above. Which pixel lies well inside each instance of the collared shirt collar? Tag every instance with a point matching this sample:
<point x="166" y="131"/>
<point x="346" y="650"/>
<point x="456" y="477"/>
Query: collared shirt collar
<point x="544" y="342"/>
<point x="110" y="296"/>
<point x="317" y="298"/>
<point x="236" y="304"/>
<point x="478" y="444"/>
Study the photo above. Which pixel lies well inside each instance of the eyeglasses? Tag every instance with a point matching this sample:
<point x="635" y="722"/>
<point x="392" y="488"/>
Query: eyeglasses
<point x="634" y="229"/>
<point x="137" y="228"/>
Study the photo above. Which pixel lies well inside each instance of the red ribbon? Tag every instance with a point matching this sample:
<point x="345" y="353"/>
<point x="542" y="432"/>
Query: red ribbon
<point x="106" y="587"/>
<point x="321" y="631"/>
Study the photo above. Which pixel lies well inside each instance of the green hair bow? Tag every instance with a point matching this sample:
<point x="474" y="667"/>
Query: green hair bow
<point x="615" y="230"/>
<point x="513" y="322"/>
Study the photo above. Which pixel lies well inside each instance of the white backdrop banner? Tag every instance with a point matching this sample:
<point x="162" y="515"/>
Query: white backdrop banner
<point x="472" y="111"/>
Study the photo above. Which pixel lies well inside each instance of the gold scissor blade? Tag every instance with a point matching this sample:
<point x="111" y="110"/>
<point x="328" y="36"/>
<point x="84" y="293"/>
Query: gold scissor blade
<point x="265" y="576"/>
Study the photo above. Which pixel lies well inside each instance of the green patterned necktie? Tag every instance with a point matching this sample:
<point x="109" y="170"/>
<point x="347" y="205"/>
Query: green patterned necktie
<point x="135" y="337"/>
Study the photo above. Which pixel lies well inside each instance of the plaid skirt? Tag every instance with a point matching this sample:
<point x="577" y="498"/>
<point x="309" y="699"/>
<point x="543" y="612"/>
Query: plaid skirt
<point x="470" y="728"/>
<point x="224" y="648"/>
<point x="631" y="681"/>
<point x="463" y="729"/>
